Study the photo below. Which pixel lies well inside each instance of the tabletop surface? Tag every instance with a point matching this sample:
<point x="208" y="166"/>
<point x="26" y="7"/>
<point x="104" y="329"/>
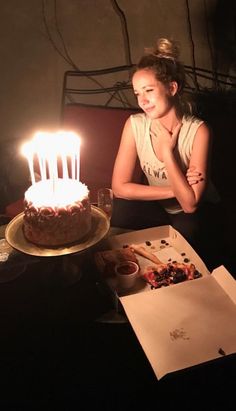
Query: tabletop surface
<point x="54" y="348"/>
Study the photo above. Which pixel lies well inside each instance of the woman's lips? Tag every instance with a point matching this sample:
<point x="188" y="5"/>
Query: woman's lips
<point x="148" y="110"/>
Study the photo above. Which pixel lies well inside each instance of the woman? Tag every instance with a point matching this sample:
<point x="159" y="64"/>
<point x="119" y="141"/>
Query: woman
<point x="173" y="148"/>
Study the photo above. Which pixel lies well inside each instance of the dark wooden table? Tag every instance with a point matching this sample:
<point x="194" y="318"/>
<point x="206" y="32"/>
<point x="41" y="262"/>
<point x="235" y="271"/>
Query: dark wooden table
<point x="56" y="354"/>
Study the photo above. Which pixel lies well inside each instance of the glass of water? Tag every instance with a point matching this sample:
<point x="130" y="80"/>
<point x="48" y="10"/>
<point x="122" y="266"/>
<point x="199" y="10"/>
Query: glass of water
<point x="105" y="200"/>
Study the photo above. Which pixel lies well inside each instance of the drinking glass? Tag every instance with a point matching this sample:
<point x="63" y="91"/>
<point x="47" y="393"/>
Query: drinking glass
<point x="105" y="200"/>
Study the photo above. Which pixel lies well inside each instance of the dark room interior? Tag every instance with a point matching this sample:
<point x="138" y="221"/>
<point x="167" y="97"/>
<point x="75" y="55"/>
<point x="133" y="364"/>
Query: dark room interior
<point x="67" y="342"/>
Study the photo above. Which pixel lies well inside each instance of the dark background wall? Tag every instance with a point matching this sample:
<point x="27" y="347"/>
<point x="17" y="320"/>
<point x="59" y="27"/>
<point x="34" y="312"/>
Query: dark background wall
<point x="42" y="39"/>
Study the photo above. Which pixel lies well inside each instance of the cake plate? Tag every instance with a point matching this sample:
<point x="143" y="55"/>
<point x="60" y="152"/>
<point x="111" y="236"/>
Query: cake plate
<point x="100" y="227"/>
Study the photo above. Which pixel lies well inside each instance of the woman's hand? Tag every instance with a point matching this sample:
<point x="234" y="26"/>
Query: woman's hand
<point x="164" y="139"/>
<point x="193" y="176"/>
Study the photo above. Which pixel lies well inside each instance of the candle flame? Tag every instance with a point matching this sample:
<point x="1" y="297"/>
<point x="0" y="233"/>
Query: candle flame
<point x="49" y="147"/>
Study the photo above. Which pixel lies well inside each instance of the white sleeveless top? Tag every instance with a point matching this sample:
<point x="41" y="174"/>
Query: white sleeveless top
<point x="155" y="169"/>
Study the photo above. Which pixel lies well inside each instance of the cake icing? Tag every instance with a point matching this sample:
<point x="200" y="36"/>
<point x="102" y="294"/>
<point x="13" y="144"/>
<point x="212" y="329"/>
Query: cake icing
<point x="56" y="213"/>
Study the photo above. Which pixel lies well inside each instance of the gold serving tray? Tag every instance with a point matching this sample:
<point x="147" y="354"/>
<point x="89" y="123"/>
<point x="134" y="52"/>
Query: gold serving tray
<point x="15" y="237"/>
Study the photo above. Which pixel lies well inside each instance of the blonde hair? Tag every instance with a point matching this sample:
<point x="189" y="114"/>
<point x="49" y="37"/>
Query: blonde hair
<point x="165" y="49"/>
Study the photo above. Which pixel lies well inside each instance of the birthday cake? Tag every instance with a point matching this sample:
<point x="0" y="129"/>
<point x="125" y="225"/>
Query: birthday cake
<point x="56" y="213"/>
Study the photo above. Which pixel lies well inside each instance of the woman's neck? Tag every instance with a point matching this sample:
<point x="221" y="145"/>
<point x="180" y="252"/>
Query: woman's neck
<point x="170" y="121"/>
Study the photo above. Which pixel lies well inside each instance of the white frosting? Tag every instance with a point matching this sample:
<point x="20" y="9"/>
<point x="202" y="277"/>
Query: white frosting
<point x="58" y="193"/>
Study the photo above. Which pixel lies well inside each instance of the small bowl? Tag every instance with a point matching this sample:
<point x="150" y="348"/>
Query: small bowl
<point x="127" y="273"/>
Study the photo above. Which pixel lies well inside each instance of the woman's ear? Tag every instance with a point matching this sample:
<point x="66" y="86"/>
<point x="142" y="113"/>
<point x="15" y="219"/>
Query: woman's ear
<point x="173" y="87"/>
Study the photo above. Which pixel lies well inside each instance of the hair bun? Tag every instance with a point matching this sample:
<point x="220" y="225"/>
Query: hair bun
<point x="167" y="49"/>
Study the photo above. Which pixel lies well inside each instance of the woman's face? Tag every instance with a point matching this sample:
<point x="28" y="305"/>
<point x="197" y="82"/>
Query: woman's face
<point x="154" y="98"/>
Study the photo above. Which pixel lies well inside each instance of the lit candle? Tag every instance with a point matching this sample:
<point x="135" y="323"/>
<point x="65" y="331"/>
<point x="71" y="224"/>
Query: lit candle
<point x="69" y="147"/>
<point x="78" y="162"/>
<point x="40" y="146"/>
<point x="73" y="166"/>
<point x="48" y="147"/>
<point x="29" y="154"/>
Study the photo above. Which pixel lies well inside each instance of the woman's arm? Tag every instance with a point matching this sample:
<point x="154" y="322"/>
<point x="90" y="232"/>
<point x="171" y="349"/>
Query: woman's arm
<point x="122" y="185"/>
<point x="189" y="196"/>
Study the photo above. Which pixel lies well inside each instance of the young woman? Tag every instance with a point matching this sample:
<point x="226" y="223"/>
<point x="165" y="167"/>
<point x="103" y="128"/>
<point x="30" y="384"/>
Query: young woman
<point x="173" y="148"/>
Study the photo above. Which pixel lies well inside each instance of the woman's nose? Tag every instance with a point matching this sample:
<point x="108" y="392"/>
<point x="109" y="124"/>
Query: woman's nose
<point x="143" y="100"/>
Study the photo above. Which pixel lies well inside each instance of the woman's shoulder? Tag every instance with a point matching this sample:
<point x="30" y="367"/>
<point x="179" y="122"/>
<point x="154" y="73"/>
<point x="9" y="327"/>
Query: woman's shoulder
<point x="188" y="131"/>
<point x="192" y="119"/>
<point x="138" y="117"/>
<point x="139" y="120"/>
<point x="190" y="124"/>
<point x="140" y="124"/>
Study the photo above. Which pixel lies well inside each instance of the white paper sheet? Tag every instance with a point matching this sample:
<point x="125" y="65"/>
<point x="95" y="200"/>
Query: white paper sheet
<point x="183" y="325"/>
